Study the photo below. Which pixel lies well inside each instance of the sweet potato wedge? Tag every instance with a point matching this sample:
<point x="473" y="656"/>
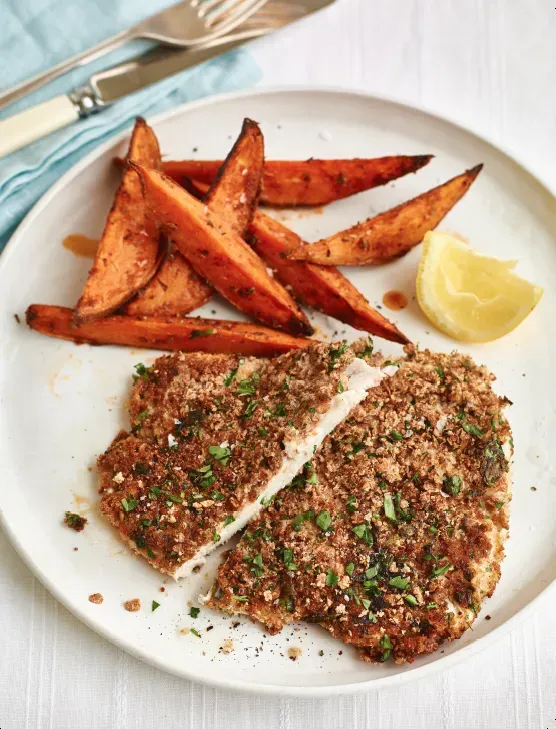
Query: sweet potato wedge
<point x="176" y="289"/>
<point x="235" y="191"/>
<point x="322" y="287"/>
<point x="220" y="255"/>
<point x="291" y="183"/>
<point x="129" y="251"/>
<point x="184" y="335"/>
<point x="390" y="234"/>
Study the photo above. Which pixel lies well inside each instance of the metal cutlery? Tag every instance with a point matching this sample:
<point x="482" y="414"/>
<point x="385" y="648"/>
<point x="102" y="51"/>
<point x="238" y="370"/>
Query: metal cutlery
<point x="106" y="87"/>
<point x="188" y="24"/>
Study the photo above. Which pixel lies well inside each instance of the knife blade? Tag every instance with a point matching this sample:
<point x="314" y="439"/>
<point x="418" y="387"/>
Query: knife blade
<point x="106" y="87"/>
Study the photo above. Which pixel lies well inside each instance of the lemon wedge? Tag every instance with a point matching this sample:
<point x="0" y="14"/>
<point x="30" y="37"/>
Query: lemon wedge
<point x="470" y="297"/>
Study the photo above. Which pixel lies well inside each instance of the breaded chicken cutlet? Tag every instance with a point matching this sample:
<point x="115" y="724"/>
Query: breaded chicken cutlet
<point x="393" y="535"/>
<point x="213" y="436"/>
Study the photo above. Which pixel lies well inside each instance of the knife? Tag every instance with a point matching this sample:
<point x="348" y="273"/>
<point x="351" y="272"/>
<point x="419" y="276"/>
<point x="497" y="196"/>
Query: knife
<point x="106" y="87"/>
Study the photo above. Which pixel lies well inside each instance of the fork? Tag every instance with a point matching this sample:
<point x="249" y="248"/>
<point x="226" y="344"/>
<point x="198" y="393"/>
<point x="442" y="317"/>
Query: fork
<point x="188" y="24"/>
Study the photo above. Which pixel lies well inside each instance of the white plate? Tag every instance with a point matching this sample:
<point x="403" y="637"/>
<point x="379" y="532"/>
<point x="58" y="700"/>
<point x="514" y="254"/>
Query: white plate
<point x="61" y="404"/>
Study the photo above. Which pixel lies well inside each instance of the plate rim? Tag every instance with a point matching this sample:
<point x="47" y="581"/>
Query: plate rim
<point x="441" y="663"/>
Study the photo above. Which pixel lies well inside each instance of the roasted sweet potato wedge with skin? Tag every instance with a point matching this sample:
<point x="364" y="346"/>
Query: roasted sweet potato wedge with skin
<point x="235" y="191"/>
<point x="174" y="290"/>
<point x="390" y="234"/>
<point x="323" y="288"/>
<point x="292" y="183"/>
<point x="220" y="255"/>
<point x="184" y="335"/>
<point x="129" y="251"/>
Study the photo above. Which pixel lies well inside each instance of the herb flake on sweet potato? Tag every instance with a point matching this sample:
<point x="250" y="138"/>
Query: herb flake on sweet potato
<point x="129" y="250"/>
<point x="218" y="254"/>
<point x="292" y="183"/>
<point x="390" y="234"/>
<point x="184" y="335"/>
<point x="323" y="288"/>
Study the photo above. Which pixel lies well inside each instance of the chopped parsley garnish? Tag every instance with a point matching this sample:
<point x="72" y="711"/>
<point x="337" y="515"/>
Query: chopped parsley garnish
<point x="141" y="468"/>
<point x="351" y="505"/>
<point x="395" y="435"/>
<point x="386" y="646"/>
<point x="201" y="333"/>
<point x="298" y="520"/>
<point x="141" y="371"/>
<point x="389" y="510"/>
<point x="140" y="541"/>
<point x="262" y="431"/>
<point x="369" y="346"/>
<point x="440" y="372"/>
<point x="363" y="531"/>
<point x="431" y="605"/>
<point x="230" y="377"/>
<point x="356" y="448"/>
<point x="195" y="632"/>
<point x="249" y="385"/>
<point x="349" y="568"/>
<point x="324" y="520"/>
<point x="154" y="605"/>
<point x="452" y="485"/>
<point x="220" y="454"/>
<point x="129" y="504"/>
<point x="150" y="553"/>
<point x="139" y="420"/>
<point x="75" y="521"/>
<point x="402" y="583"/>
<point x="252" y="405"/>
<point x="410" y="600"/>
<point x="331" y="579"/>
<point x="194" y="612"/>
<point x="470" y="428"/>
<point x="215" y="536"/>
<point x="217" y="496"/>
<point x="279" y="410"/>
<point x="228" y="520"/>
<point x="335" y="354"/>
<point x="441" y="570"/>
<point x="340" y="387"/>
<point x="241" y="598"/>
<point x="366" y="603"/>
<point x="257" y="568"/>
<point x="287" y="557"/>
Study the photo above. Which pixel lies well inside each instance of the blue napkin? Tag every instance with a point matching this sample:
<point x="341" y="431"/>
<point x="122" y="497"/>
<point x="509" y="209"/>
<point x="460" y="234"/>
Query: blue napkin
<point x="35" y="35"/>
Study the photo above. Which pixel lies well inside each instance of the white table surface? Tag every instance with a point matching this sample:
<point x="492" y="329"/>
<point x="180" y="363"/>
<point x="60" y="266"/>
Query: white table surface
<point x="492" y="65"/>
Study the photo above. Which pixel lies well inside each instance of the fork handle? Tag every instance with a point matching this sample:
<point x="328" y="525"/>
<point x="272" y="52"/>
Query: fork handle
<point x="16" y="92"/>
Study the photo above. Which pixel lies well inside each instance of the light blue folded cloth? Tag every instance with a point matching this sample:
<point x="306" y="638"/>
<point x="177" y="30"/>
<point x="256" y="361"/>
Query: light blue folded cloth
<point x="36" y="34"/>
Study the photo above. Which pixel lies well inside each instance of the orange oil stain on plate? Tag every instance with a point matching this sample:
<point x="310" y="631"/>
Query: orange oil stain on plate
<point x="395" y="300"/>
<point x="81" y="245"/>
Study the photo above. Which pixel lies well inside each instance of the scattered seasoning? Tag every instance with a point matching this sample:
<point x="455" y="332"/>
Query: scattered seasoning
<point x="194" y="612"/>
<point x="154" y="605"/>
<point x="201" y="333"/>
<point x="16" y="317"/>
<point x="488" y="617"/>
<point x="227" y="647"/>
<point x="533" y="488"/>
<point x="75" y="521"/>
<point x="132" y="606"/>
<point x="96" y="598"/>
<point x="294" y="653"/>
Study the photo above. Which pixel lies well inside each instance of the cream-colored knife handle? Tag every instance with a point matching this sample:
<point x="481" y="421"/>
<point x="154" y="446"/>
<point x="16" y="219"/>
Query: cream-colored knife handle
<point x="38" y="121"/>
